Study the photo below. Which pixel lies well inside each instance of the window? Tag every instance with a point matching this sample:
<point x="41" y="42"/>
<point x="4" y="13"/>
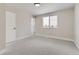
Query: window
<point x="53" y="21"/>
<point x="46" y="22"/>
<point x="50" y="22"/>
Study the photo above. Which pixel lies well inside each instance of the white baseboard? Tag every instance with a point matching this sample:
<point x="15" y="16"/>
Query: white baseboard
<point x="21" y="38"/>
<point x="61" y="38"/>
<point x="24" y="37"/>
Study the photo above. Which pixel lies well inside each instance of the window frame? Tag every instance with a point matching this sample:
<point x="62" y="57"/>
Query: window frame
<point x="49" y="22"/>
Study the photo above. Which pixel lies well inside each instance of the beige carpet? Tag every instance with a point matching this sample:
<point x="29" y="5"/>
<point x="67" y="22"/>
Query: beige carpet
<point x="36" y="45"/>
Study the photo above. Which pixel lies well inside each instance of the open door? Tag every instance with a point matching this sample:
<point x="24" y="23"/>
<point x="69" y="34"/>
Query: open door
<point x="10" y="26"/>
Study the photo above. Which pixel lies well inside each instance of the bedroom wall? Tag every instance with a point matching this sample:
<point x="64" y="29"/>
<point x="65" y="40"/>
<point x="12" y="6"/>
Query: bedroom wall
<point x="23" y="22"/>
<point x="65" y="25"/>
<point x="2" y="26"/>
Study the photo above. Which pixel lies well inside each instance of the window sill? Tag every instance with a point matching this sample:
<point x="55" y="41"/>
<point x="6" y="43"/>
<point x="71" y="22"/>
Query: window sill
<point x="49" y="27"/>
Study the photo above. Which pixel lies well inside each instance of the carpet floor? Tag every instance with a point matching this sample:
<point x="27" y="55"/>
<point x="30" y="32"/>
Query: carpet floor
<point x="37" y="45"/>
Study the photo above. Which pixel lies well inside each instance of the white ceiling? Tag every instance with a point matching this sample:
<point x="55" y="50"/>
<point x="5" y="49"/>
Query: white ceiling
<point x="44" y="7"/>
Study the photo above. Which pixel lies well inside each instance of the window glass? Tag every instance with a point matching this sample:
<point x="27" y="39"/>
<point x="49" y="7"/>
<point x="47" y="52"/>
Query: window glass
<point x="53" y="21"/>
<point x="46" y="21"/>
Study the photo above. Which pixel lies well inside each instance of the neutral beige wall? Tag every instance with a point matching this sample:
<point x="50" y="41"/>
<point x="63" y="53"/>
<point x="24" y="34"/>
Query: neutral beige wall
<point x="65" y="24"/>
<point x="2" y="26"/>
<point x="23" y="22"/>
